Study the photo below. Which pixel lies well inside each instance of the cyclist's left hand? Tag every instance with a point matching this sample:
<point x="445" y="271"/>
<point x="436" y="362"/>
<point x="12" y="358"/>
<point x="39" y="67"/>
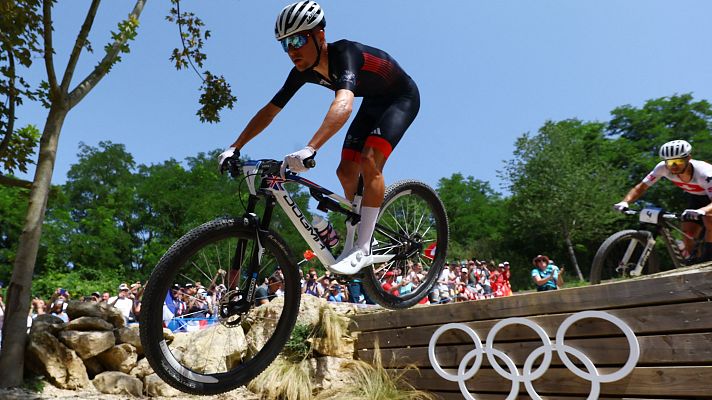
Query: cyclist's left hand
<point x="295" y="161"/>
<point x="691" y="215"/>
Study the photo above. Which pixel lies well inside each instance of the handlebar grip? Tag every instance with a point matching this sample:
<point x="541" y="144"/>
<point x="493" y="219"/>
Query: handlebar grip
<point x="309" y="162"/>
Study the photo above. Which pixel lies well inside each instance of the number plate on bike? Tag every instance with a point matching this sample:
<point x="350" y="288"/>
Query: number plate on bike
<point x="650" y="215"/>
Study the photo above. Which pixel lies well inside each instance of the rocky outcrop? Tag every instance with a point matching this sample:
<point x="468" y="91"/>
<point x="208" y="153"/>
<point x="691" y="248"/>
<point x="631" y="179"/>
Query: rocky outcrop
<point x="114" y="382"/>
<point x="154" y="387"/>
<point x="87" y="344"/>
<point x="122" y="357"/>
<point x="97" y="345"/>
<point x="47" y="356"/>
<point x="130" y="335"/>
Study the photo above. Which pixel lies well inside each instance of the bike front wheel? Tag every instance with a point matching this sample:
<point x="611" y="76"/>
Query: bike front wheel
<point x="619" y="255"/>
<point x="413" y="227"/>
<point x="214" y="341"/>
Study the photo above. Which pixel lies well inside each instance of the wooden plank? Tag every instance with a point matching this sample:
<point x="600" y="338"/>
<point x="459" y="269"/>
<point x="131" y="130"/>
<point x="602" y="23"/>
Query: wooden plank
<point x="656" y="382"/>
<point x="499" y="396"/>
<point x="662" y="290"/>
<point x="687" y="349"/>
<point x="671" y="318"/>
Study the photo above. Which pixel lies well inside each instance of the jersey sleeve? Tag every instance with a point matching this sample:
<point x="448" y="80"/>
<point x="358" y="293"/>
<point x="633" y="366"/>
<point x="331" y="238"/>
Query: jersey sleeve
<point x="347" y="66"/>
<point x="291" y="86"/>
<point x="655" y="175"/>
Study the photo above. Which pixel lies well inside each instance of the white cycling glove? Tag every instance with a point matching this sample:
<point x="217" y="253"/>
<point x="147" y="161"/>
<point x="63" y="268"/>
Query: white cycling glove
<point x="621" y="206"/>
<point x="692" y="215"/>
<point x="229" y="152"/>
<point x="295" y="161"/>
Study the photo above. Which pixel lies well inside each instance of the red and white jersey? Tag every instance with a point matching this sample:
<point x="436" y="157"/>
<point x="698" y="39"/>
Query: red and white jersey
<point x="701" y="182"/>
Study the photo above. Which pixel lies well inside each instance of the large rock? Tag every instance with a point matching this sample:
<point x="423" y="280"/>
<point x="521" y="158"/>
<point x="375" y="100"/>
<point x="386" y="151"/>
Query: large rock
<point x="77" y="309"/>
<point x="328" y="372"/>
<point x="156" y="387"/>
<point x="121" y="357"/>
<point x="47" y="356"/>
<point x="47" y="323"/>
<point x="93" y="366"/>
<point x="89" y="324"/>
<point x="309" y="309"/>
<point x="142" y="369"/>
<point x="113" y="382"/>
<point x="216" y="348"/>
<point x="131" y="336"/>
<point x="88" y="344"/>
<point x="343" y="348"/>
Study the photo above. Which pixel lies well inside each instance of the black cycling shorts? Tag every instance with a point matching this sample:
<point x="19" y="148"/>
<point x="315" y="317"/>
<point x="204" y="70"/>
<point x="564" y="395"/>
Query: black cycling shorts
<point x="381" y="122"/>
<point x="695" y="201"/>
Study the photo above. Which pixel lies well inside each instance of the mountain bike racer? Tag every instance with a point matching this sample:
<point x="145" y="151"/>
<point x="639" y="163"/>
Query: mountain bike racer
<point x="390" y="104"/>
<point x="692" y="176"/>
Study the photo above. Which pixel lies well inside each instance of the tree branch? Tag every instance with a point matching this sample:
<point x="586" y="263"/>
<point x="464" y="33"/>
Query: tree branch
<point x="79" y="45"/>
<point x="48" y="48"/>
<point x="78" y="93"/>
<point x="8" y="181"/>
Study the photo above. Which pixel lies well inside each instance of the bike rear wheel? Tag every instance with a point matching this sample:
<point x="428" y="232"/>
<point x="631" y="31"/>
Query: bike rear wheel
<point x="610" y="261"/>
<point x="412" y="220"/>
<point x="245" y="338"/>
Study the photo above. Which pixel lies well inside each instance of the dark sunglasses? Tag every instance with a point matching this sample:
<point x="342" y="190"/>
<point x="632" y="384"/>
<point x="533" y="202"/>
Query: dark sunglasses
<point x="297" y="41"/>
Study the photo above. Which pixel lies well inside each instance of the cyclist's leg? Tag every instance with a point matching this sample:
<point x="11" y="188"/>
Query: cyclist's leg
<point x="694" y="228"/>
<point x="350" y="166"/>
<point x="392" y="124"/>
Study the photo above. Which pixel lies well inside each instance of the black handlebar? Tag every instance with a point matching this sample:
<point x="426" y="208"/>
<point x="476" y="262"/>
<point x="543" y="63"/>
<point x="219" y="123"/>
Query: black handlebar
<point x="267" y="166"/>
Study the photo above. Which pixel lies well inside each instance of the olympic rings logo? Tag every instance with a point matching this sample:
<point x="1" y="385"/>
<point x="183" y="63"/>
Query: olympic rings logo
<point x="528" y="376"/>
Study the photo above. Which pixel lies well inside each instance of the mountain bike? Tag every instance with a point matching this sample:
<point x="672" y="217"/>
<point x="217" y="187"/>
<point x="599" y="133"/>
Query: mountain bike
<point x="630" y="253"/>
<point x="249" y="337"/>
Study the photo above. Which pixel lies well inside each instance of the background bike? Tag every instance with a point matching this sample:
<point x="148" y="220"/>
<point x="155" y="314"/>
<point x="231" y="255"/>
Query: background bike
<point x="249" y="337"/>
<point x="631" y="252"/>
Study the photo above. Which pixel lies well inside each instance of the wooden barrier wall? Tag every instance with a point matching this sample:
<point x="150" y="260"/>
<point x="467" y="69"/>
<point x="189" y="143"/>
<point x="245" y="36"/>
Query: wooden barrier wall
<point x="671" y="317"/>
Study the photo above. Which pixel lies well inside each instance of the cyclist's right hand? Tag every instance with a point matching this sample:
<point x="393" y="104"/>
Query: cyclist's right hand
<point x="621" y="206"/>
<point x="231" y="153"/>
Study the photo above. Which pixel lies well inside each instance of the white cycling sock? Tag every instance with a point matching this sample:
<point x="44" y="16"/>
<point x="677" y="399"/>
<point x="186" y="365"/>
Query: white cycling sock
<point x="350" y="234"/>
<point x="369" y="215"/>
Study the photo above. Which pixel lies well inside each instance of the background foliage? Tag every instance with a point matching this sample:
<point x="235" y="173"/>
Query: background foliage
<point x="113" y="219"/>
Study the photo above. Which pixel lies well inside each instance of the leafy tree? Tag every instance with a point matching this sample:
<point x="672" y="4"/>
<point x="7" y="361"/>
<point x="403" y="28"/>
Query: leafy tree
<point x="561" y="186"/>
<point x="476" y="215"/>
<point x="20" y="28"/>
<point x="23" y="24"/>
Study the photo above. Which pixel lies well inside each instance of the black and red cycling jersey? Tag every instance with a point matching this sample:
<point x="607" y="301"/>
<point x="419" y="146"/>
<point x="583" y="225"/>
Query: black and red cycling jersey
<point x="390" y="97"/>
<point x="364" y="70"/>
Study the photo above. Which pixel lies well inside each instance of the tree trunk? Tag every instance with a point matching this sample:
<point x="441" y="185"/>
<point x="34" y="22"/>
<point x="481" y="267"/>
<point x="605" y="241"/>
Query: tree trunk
<point x="572" y="254"/>
<point x="19" y="291"/>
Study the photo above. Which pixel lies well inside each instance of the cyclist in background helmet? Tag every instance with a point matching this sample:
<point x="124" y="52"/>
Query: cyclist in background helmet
<point x="692" y="176"/>
<point x="390" y="103"/>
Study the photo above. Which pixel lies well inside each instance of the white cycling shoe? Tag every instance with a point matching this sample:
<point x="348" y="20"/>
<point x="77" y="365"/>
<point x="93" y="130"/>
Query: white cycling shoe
<point x="352" y="262"/>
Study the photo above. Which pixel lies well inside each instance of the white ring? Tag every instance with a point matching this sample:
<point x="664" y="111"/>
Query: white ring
<point x="527" y="376"/>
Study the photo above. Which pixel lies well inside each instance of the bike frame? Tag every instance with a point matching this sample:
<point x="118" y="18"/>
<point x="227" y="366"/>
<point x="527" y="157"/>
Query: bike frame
<point x="273" y="187"/>
<point x="661" y="221"/>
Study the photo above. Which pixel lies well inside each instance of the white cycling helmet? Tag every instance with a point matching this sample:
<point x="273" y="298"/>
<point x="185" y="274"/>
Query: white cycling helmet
<point x="675" y="149"/>
<point x="297" y="17"/>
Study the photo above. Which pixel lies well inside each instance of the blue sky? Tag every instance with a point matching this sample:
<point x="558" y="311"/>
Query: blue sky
<point x="487" y="72"/>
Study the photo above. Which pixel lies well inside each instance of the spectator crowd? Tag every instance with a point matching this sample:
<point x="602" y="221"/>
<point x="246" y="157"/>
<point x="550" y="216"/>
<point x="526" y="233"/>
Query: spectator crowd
<point x="459" y="281"/>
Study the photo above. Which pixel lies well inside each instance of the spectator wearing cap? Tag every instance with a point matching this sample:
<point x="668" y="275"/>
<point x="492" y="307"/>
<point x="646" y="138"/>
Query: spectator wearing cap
<point x="335" y="293"/>
<point x="443" y="295"/>
<point x="265" y="293"/>
<point x="544" y="274"/>
<point x="122" y="301"/>
<point x="96" y="297"/>
<point x="506" y="275"/>
<point x="58" y="309"/>
<point x="312" y="285"/>
<point x="389" y="285"/>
